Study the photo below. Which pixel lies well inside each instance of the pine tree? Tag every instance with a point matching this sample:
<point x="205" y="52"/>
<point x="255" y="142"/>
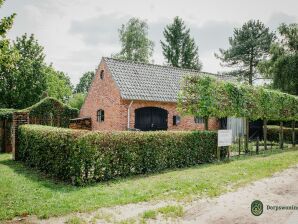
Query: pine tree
<point x="249" y="45"/>
<point x="179" y="49"/>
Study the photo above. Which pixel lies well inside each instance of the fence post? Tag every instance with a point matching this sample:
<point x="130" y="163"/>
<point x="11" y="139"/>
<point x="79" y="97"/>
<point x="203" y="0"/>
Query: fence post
<point x="18" y="118"/>
<point x="239" y="141"/>
<point x="246" y="138"/>
<point x="293" y="134"/>
<point x="257" y="146"/>
<point x="218" y="153"/>
<point x="281" y="136"/>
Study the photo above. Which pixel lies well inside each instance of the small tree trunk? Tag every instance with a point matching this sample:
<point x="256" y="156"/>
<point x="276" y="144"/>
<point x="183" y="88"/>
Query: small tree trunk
<point x="293" y="134"/>
<point x="206" y="123"/>
<point x="281" y="136"/>
<point x="265" y="133"/>
<point x="246" y="135"/>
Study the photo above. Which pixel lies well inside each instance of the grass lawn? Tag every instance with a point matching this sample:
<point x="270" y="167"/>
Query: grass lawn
<point x="25" y="192"/>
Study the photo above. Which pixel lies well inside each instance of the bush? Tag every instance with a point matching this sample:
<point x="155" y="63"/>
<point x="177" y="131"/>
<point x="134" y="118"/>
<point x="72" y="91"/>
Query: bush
<point x="273" y="134"/>
<point x="82" y="157"/>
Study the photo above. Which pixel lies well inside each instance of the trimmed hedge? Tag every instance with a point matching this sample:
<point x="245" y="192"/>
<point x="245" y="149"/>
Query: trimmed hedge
<point x="208" y="97"/>
<point x="273" y="134"/>
<point x="52" y="107"/>
<point x="82" y="157"/>
<point x="6" y="113"/>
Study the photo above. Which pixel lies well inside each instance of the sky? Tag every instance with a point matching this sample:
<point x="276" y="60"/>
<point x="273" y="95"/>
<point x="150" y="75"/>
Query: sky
<point x="75" y="34"/>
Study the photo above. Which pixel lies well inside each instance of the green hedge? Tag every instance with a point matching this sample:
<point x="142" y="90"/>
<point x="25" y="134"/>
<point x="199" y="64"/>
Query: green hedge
<point x="273" y="134"/>
<point x="6" y="113"/>
<point x="82" y="157"/>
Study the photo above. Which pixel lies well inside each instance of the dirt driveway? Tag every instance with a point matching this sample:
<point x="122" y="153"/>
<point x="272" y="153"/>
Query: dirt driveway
<point x="234" y="207"/>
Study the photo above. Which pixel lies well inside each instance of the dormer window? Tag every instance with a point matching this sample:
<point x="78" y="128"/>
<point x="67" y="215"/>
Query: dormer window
<point x="101" y="74"/>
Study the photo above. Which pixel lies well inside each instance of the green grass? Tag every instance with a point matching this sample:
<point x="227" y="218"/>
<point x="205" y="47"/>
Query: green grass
<point x="75" y="220"/>
<point x="150" y="214"/>
<point x="24" y="191"/>
<point x="172" y="211"/>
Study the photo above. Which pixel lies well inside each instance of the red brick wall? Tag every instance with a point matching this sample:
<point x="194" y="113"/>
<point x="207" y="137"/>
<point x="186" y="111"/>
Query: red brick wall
<point x="104" y="94"/>
<point x="186" y="122"/>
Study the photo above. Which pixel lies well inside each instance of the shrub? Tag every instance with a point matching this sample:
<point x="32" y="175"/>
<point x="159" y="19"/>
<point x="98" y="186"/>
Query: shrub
<point x="273" y="134"/>
<point x="81" y="157"/>
<point x="6" y="113"/>
<point x="51" y="108"/>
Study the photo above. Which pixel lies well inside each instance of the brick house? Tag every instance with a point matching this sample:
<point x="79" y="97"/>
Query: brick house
<point x="126" y="95"/>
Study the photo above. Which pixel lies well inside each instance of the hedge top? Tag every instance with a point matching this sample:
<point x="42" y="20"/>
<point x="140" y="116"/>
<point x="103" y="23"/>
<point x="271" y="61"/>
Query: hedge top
<point x="208" y="97"/>
<point x="6" y="113"/>
<point x="48" y="107"/>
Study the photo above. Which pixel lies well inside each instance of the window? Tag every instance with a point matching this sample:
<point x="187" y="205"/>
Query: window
<point x="199" y="120"/>
<point x="176" y="120"/>
<point x="100" y="115"/>
<point x="101" y="74"/>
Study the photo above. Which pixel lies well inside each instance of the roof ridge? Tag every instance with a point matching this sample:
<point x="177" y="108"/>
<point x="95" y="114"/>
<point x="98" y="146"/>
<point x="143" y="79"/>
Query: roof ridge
<point x="163" y="66"/>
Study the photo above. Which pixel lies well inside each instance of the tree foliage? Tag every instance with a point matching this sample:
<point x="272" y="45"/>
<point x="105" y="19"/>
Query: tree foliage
<point x="8" y="57"/>
<point x="179" y="48"/>
<point x="135" y="44"/>
<point x="77" y="100"/>
<point x="283" y="64"/>
<point x="58" y="84"/>
<point x="207" y="97"/>
<point x="24" y="83"/>
<point x="249" y="45"/>
<point x="85" y="82"/>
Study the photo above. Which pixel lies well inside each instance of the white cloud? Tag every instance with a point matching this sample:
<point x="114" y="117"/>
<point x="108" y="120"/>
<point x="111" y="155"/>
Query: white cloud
<point x="77" y="33"/>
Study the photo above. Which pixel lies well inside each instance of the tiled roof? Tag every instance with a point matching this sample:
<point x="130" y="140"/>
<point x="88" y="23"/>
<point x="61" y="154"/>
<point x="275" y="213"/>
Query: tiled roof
<point x="139" y="81"/>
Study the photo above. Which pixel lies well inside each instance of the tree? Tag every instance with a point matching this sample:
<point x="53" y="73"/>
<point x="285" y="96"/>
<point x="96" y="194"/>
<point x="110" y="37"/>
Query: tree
<point x="282" y="67"/>
<point x="8" y="57"/>
<point x="179" y="49"/>
<point x="135" y="44"/>
<point x="249" y="45"/>
<point x="77" y="100"/>
<point x="85" y="82"/>
<point x="26" y="80"/>
<point x="6" y="22"/>
<point x="57" y="84"/>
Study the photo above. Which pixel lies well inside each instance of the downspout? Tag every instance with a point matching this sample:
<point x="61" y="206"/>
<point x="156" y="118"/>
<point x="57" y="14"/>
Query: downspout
<point x="128" y="115"/>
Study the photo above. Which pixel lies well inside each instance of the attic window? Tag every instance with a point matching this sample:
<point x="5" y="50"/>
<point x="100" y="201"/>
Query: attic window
<point x="100" y="115"/>
<point x="101" y="74"/>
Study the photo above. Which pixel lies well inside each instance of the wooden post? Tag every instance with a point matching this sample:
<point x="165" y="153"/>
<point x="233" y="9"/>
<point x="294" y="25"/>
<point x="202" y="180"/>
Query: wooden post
<point x="239" y="141"/>
<point x="293" y="134"/>
<point x="4" y="136"/>
<point x="218" y="153"/>
<point x="281" y="136"/>
<point x="265" y="133"/>
<point x="19" y="118"/>
<point x="257" y="146"/>
<point x="206" y="123"/>
<point x="246" y="139"/>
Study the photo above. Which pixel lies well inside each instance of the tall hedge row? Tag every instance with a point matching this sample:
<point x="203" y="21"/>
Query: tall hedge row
<point x="81" y="157"/>
<point x="208" y="97"/>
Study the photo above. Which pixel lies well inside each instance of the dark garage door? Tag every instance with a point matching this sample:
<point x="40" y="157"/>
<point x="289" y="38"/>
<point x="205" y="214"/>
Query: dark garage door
<point x="151" y="119"/>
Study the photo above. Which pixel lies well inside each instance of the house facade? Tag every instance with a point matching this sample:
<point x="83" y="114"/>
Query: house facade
<point x="128" y="95"/>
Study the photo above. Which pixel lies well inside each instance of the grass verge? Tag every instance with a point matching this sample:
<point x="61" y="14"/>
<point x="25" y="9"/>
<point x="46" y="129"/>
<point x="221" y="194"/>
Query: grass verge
<point x="25" y="192"/>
